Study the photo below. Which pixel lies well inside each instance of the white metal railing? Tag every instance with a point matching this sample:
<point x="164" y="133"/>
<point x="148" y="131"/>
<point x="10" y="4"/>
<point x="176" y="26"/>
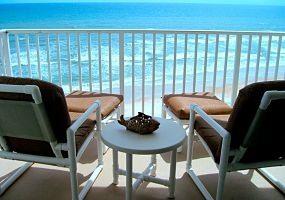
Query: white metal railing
<point x="143" y="65"/>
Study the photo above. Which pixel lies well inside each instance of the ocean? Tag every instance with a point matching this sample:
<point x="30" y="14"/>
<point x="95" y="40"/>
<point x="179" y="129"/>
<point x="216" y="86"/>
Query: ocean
<point x="142" y="16"/>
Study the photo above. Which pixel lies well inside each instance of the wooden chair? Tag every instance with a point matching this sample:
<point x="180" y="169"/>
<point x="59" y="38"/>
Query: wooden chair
<point x="36" y="125"/>
<point x="251" y="137"/>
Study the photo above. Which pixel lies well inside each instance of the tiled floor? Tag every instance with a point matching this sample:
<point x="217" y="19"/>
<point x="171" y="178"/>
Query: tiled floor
<point x="42" y="182"/>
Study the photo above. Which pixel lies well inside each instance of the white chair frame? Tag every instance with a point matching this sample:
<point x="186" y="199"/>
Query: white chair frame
<point x="71" y="160"/>
<point x="223" y="165"/>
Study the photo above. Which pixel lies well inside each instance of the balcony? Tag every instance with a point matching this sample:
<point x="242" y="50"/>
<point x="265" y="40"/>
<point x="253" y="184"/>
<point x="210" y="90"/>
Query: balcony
<point x="142" y="65"/>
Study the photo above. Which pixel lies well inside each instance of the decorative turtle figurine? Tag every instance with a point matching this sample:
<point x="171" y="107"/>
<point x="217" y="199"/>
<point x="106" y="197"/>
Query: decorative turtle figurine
<point x="141" y="124"/>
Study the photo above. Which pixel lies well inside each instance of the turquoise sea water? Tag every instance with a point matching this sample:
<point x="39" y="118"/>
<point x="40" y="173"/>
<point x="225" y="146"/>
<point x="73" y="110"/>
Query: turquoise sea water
<point x="143" y="16"/>
<point x="146" y="16"/>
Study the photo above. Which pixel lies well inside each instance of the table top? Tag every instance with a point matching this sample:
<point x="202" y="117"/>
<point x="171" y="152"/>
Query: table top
<point x="167" y="137"/>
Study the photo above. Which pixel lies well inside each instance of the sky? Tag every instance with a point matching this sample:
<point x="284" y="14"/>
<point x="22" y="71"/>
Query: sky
<point x="238" y="2"/>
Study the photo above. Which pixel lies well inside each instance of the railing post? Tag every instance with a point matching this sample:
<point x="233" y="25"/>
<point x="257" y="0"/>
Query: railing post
<point x="236" y="68"/>
<point x="6" y="54"/>
<point x="121" y="65"/>
<point x="2" y="68"/>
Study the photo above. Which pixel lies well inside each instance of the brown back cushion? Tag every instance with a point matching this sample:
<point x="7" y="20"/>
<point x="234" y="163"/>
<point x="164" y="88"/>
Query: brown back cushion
<point x="53" y="99"/>
<point x="271" y="136"/>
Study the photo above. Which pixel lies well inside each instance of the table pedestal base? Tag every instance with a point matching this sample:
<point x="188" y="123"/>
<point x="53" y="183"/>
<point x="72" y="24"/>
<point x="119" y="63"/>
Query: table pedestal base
<point x="147" y="175"/>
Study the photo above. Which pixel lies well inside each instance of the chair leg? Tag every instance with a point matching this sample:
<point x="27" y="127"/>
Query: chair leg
<point x="119" y="111"/>
<point x="12" y="178"/>
<point x="73" y="181"/>
<point x="180" y="149"/>
<point x="115" y="167"/>
<point x="90" y="181"/>
<point x="172" y="175"/>
<point x="72" y="166"/>
<point x="100" y="148"/>
<point x="163" y="112"/>
<point x="97" y="170"/>
<point x="104" y="147"/>
<point x="190" y="141"/>
<point x="189" y="169"/>
<point x="154" y="163"/>
<point x="190" y="146"/>
<point x="221" y="183"/>
<point x="223" y="166"/>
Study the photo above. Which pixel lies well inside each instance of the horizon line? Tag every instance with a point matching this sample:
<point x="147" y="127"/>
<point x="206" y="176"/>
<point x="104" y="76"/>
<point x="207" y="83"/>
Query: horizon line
<point x="140" y="2"/>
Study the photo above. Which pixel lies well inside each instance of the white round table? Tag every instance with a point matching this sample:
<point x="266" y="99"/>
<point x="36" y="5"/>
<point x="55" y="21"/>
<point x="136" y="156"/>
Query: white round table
<point x="167" y="138"/>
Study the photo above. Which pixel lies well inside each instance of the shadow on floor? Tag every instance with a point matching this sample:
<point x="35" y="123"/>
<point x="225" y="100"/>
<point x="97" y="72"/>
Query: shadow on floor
<point x="185" y="189"/>
<point x="46" y="182"/>
<point x="199" y="152"/>
<point x="39" y="183"/>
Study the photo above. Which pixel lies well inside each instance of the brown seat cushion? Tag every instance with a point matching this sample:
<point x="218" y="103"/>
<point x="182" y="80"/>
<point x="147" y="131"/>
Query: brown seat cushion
<point x="84" y="130"/>
<point x="79" y="101"/>
<point x="268" y="143"/>
<point x="179" y="104"/>
<point x="209" y="135"/>
<point x="42" y="148"/>
<point x="56" y="108"/>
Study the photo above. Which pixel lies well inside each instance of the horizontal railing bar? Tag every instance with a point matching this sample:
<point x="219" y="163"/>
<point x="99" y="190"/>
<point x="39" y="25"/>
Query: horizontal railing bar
<point x="162" y="31"/>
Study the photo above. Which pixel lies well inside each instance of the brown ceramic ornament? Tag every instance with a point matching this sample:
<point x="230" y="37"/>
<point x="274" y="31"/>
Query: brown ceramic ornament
<point x="142" y="123"/>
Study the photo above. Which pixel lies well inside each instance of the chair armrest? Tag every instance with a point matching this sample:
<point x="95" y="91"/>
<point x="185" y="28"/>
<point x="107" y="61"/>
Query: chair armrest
<point x="96" y="106"/>
<point x="220" y="130"/>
